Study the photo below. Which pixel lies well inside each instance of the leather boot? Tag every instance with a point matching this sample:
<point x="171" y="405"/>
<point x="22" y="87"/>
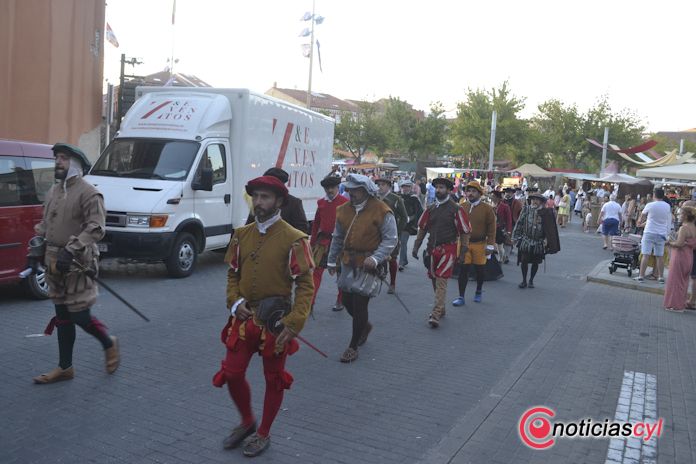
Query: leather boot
<point x="56" y="375"/>
<point x="112" y="356"/>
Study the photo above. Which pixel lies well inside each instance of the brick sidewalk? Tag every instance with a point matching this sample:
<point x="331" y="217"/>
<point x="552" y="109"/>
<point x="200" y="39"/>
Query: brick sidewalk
<point x="414" y="394"/>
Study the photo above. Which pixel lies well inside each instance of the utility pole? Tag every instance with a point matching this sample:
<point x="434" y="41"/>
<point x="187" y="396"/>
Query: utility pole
<point x="491" y="151"/>
<point x="681" y="146"/>
<point x="122" y="85"/>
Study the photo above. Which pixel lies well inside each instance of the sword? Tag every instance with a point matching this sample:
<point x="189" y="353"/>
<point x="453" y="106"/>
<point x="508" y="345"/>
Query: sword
<point x="91" y="274"/>
<point x="303" y="340"/>
<point x="398" y="298"/>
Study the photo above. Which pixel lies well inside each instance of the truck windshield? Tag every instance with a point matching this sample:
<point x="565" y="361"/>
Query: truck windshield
<point x="147" y="159"/>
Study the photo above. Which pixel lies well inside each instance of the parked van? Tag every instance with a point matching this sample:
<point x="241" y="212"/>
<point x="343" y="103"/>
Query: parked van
<point x="26" y="175"/>
<point x="173" y="177"/>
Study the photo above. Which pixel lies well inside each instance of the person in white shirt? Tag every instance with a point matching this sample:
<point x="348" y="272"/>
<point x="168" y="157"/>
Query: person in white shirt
<point x="657" y="218"/>
<point x="600" y="192"/>
<point x="610" y="216"/>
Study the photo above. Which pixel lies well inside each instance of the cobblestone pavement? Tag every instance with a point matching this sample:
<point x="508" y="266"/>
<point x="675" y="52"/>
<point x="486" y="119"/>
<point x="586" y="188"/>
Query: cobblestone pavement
<point x="454" y="394"/>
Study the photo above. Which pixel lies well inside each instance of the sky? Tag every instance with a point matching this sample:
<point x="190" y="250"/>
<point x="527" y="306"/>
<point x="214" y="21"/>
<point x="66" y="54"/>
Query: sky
<point x="638" y="53"/>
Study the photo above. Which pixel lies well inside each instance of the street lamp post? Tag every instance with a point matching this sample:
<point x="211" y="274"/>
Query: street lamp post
<point x="315" y="21"/>
<point x="311" y="61"/>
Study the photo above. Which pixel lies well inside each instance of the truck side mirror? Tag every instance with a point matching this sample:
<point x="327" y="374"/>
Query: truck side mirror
<point x="205" y="182"/>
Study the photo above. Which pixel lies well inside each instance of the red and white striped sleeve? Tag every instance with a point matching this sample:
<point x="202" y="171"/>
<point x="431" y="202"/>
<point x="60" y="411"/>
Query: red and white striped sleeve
<point x="461" y="221"/>
<point x="424" y="219"/>
<point x="300" y="260"/>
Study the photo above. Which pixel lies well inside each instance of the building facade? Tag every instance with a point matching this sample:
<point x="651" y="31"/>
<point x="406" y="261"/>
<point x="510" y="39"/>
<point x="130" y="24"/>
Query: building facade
<point x="51" y="71"/>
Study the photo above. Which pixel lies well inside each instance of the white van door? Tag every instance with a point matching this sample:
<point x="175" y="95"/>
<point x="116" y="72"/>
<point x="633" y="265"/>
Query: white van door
<point x="214" y="208"/>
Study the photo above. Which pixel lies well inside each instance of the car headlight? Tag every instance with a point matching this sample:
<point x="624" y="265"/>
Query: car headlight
<point x="146" y="220"/>
<point x="139" y="220"/>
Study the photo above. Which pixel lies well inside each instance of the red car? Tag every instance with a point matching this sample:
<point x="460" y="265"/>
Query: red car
<point x="26" y="174"/>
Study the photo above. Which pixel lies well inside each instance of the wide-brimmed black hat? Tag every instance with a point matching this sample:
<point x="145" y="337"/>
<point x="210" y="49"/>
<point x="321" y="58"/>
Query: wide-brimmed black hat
<point x="330" y="181"/>
<point x="444" y="181"/>
<point x="73" y="151"/>
<point x="278" y="173"/>
<point x="384" y="179"/>
<point x="537" y="195"/>
<point x="508" y="189"/>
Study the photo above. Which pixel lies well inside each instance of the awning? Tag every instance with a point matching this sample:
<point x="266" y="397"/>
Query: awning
<point x="622" y="179"/>
<point x="685" y="171"/>
<point x="532" y="170"/>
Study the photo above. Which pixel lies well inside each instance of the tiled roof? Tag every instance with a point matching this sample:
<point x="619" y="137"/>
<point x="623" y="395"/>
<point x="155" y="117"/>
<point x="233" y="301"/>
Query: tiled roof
<point x="319" y="100"/>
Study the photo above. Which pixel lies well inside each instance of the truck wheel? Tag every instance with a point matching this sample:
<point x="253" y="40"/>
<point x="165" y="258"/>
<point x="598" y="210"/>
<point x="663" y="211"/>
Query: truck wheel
<point x="182" y="260"/>
<point x="36" y="286"/>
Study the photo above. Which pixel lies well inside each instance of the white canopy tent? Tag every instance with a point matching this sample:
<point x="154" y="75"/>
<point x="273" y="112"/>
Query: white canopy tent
<point x="622" y="179"/>
<point x="676" y="171"/>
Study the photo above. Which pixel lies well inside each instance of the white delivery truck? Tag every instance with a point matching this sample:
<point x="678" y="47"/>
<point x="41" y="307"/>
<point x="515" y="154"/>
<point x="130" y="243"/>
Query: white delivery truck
<point x="173" y="177"/>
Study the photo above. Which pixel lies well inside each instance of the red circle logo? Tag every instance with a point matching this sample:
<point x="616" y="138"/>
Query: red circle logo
<point x="535" y="427"/>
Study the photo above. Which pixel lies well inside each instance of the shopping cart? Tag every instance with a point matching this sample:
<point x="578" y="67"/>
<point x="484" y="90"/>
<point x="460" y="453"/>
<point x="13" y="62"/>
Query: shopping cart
<point x="626" y="253"/>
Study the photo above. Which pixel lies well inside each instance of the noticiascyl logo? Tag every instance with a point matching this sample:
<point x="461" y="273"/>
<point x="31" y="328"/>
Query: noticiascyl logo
<point x="535" y="427"/>
<point x="538" y="431"/>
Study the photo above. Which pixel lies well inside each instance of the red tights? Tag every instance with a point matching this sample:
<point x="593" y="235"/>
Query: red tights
<point x="393" y="268"/>
<point x="236" y="364"/>
<point x="318" y="273"/>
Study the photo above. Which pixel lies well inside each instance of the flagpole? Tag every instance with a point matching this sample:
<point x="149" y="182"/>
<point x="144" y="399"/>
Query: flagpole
<point x="311" y="61"/>
<point x="171" y="62"/>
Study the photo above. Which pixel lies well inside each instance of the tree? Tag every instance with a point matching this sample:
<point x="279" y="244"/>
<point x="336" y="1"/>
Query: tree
<point x="665" y="144"/>
<point x="559" y="132"/>
<point x="400" y="125"/>
<point x="558" y="135"/>
<point x="363" y="132"/>
<point x="625" y="130"/>
<point x="471" y="130"/>
<point x="430" y="135"/>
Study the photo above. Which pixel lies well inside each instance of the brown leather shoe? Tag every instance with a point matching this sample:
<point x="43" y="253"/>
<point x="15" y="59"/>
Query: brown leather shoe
<point x="349" y="355"/>
<point x="255" y="445"/>
<point x="434" y="321"/>
<point x="112" y="356"/>
<point x="56" y="375"/>
<point x="238" y="435"/>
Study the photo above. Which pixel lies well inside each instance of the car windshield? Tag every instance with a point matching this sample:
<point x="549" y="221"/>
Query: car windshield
<point x="147" y="159"/>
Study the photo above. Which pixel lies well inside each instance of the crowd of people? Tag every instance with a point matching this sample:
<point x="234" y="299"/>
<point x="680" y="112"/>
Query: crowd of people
<point x="360" y="234"/>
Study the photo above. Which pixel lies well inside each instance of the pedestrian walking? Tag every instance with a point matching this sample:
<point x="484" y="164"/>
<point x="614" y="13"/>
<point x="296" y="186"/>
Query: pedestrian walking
<point x="563" y="209"/>
<point x="364" y="237"/>
<point x="414" y="209"/>
<point x="269" y="260"/>
<point x="322" y="232"/>
<point x="681" y="263"/>
<point x="396" y="204"/>
<point x="515" y="200"/>
<point x="535" y="235"/>
<point x="656" y="217"/>
<point x="503" y="224"/>
<point x="292" y="210"/>
<point x="447" y="227"/>
<point x="610" y="217"/>
<point x="73" y="222"/>
<point x="481" y="242"/>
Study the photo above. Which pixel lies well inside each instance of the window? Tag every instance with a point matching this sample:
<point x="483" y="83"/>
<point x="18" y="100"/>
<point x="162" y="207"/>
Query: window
<point x="21" y="186"/>
<point x="9" y="181"/>
<point x="43" y="171"/>
<point x="214" y="158"/>
<point x="147" y="159"/>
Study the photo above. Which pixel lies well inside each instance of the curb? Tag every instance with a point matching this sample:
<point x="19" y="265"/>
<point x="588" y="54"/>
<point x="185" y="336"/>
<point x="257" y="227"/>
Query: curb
<point x="600" y="274"/>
